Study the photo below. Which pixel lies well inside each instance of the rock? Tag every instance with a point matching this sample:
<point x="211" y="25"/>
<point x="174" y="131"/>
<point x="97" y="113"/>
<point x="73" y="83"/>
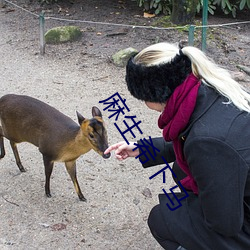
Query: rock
<point x="121" y="58"/>
<point x="136" y="201"/>
<point x="244" y="68"/>
<point x="147" y="193"/>
<point x="44" y="225"/>
<point x="2" y="3"/>
<point x="239" y="76"/>
<point x="63" y="34"/>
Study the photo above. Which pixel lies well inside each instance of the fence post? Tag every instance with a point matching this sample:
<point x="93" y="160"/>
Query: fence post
<point x="191" y="35"/>
<point x="204" y="24"/>
<point x="42" y="31"/>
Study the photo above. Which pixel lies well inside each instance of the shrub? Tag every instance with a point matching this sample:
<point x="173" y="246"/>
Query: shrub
<point x="165" y="6"/>
<point x="157" y="6"/>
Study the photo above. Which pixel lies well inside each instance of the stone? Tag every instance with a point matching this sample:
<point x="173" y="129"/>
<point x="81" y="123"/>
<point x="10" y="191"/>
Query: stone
<point x="121" y="58"/>
<point x="63" y="34"/>
<point x="147" y="193"/>
<point x="239" y="76"/>
<point x="2" y="3"/>
<point x="244" y="68"/>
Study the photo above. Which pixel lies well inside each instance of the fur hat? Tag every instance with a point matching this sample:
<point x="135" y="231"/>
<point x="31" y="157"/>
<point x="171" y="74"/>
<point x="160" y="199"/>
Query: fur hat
<point x="156" y="83"/>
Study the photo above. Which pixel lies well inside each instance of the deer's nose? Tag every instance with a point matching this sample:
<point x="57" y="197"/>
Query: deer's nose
<point x="106" y="156"/>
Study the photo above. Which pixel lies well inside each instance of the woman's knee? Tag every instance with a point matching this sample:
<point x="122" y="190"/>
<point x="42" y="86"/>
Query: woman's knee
<point x="160" y="230"/>
<point x="153" y="217"/>
<point x="157" y="224"/>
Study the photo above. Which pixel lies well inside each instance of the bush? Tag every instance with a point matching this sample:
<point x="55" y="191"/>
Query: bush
<point x="232" y="6"/>
<point x="165" y="6"/>
<point x="156" y="6"/>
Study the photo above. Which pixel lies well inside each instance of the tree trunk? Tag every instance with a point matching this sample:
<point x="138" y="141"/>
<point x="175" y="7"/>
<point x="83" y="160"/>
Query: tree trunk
<point x="183" y="11"/>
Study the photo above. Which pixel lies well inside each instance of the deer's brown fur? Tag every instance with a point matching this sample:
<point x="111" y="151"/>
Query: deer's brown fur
<point x="58" y="137"/>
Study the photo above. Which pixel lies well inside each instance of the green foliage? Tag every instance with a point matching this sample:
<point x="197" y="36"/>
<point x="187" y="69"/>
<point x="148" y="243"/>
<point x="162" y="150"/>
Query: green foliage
<point x="158" y="6"/>
<point x="244" y="4"/>
<point x="211" y="7"/>
<point x="165" y="6"/>
<point x="226" y="6"/>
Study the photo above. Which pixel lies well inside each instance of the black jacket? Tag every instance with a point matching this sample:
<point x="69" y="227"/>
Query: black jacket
<point x="216" y="145"/>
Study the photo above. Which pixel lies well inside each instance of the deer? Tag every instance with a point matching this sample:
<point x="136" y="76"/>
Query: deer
<point x="58" y="138"/>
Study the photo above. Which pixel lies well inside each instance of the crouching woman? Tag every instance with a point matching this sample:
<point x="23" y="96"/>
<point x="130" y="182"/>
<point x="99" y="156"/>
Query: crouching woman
<point x="205" y="122"/>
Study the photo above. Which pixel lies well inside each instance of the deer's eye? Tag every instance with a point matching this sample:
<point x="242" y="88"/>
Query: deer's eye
<point x="91" y="136"/>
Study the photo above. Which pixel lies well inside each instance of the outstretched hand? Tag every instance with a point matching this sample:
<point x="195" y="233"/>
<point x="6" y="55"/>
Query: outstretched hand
<point x="123" y="150"/>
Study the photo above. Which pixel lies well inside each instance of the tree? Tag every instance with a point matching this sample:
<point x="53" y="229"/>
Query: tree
<point x="183" y="11"/>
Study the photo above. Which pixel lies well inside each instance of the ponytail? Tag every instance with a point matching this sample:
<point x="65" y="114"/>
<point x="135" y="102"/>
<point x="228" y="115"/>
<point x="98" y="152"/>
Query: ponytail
<point x="218" y="78"/>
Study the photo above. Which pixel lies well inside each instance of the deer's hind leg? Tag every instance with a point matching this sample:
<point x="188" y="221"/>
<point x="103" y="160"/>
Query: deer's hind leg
<point x="18" y="161"/>
<point x="71" y="168"/>
<point x="48" y="164"/>
<point x="1" y="144"/>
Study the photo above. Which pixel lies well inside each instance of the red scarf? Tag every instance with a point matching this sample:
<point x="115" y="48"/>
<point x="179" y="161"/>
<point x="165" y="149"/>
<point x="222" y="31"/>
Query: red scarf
<point x="174" y="119"/>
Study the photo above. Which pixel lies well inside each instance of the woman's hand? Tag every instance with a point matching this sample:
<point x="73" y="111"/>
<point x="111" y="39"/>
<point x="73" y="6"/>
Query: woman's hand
<point x="123" y="150"/>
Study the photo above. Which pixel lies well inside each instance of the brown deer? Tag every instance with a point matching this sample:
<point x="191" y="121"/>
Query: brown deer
<point x="59" y="138"/>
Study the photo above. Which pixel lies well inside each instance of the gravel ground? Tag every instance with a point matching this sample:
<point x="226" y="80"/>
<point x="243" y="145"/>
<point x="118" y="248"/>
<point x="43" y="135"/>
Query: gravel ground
<point x="119" y="195"/>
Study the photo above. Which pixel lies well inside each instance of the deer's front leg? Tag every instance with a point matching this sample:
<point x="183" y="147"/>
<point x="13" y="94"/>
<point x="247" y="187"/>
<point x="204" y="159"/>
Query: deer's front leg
<point x="71" y="168"/>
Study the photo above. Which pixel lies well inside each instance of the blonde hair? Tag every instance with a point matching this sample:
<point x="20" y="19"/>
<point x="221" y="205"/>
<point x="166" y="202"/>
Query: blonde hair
<point x="203" y="67"/>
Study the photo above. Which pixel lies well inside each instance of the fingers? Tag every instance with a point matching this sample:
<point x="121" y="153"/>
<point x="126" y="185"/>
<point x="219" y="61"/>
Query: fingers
<point x="121" y="157"/>
<point x="113" y="147"/>
<point x="122" y="150"/>
<point x="123" y="147"/>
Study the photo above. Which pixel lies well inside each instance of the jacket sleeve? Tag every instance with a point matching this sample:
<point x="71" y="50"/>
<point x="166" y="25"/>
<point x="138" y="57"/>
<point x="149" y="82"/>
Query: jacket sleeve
<point x="165" y="148"/>
<point x="220" y="173"/>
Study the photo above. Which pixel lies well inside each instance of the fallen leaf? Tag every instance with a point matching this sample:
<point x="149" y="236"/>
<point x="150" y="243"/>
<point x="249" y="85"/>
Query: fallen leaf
<point x="147" y="15"/>
<point x="58" y="227"/>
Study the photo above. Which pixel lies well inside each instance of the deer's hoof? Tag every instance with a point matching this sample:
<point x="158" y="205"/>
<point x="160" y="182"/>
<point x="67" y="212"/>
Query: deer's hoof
<point x="82" y="198"/>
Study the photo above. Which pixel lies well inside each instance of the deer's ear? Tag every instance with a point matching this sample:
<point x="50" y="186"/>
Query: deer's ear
<point x="80" y="118"/>
<point x="96" y="112"/>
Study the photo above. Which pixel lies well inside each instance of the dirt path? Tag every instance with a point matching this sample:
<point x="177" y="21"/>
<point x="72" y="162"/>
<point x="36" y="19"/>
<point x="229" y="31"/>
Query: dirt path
<point x="74" y="77"/>
<point x="116" y="212"/>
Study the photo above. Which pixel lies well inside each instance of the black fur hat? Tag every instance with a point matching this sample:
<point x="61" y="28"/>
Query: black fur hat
<point x="156" y="83"/>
